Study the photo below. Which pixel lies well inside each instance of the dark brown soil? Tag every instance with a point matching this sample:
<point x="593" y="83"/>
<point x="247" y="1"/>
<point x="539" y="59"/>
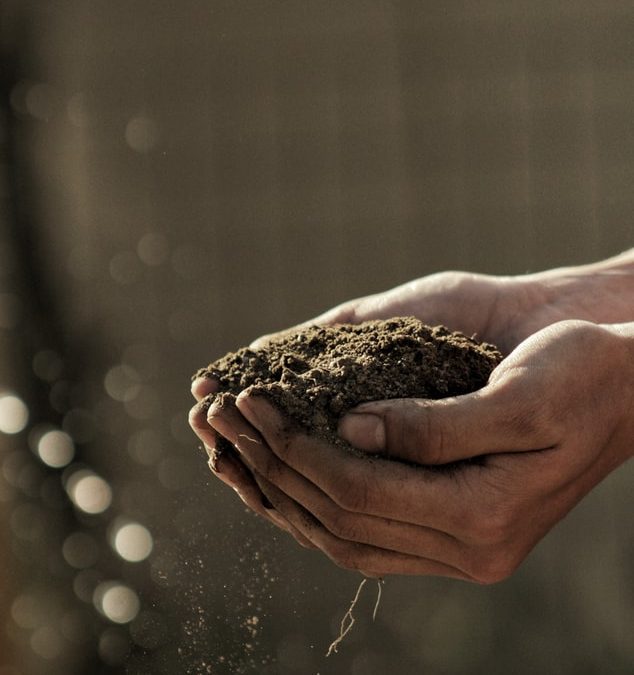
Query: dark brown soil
<point x="318" y="373"/>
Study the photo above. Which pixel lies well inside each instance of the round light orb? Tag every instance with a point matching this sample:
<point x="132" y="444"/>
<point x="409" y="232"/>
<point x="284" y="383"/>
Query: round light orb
<point x="56" y="449"/>
<point x="116" y="601"/>
<point x="14" y="415"/>
<point x="133" y="542"/>
<point x="90" y="493"/>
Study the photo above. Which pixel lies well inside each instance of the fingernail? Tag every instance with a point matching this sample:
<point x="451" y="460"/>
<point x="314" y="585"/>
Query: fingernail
<point x="364" y="431"/>
<point x="213" y="462"/>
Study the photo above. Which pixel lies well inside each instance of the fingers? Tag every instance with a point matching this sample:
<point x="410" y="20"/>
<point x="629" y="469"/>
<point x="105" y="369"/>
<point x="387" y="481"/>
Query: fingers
<point x="203" y="386"/>
<point x="263" y="340"/>
<point x="344" y="313"/>
<point x="228" y="467"/>
<point x="368" y="485"/>
<point x="225" y="464"/>
<point x="230" y="470"/>
<point x="500" y="418"/>
<point x="371" y="560"/>
<point x="199" y="425"/>
<point x="230" y="424"/>
<point x="357" y="527"/>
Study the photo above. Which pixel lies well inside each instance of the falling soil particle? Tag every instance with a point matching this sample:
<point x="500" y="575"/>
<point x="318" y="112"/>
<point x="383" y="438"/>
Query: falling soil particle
<point x="315" y="374"/>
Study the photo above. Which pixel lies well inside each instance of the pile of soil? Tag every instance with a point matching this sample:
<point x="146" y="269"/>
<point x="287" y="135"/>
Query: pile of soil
<point x="316" y="374"/>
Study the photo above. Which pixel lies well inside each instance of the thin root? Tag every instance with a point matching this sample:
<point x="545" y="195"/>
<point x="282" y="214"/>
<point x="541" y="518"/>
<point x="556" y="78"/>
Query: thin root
<point x="253" y="440"/>
<point x="348" y="619"/>
<point x="379" y="583"/>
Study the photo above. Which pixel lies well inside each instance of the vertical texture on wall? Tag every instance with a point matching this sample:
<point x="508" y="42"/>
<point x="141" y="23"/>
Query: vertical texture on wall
<point x="197" y="173"/>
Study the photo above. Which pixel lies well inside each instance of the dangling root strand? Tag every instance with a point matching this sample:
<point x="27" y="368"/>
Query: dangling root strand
<point x="348" y="619"/>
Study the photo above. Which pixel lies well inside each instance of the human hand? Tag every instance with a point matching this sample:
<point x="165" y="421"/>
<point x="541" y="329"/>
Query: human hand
<point x="494" y="308"/>
<point x="554" y="420"/>
<point x="449" y="297"/>
<point x="225" y="463"/>
<point x="501" y="310"/>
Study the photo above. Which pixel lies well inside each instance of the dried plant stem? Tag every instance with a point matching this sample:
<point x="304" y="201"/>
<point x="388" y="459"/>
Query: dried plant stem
<point x="253" y="440"/>
<point x="348" y="619"/>
<point x="380" y="583"/>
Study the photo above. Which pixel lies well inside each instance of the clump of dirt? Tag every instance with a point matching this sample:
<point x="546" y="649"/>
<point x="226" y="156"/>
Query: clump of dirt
<point x="316" y="374"/>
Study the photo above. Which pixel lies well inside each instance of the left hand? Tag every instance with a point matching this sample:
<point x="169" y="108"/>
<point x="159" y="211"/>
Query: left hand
<point x="554" y="420"/>
<point x="229" y="467"/>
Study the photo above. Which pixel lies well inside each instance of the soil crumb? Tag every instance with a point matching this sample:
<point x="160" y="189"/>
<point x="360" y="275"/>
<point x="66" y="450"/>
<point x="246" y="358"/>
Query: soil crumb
<point x="316" y="374"/>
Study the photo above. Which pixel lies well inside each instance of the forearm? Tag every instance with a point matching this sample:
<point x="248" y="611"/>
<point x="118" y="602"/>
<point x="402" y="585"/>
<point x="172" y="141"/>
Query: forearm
<point x="601" y="292"/>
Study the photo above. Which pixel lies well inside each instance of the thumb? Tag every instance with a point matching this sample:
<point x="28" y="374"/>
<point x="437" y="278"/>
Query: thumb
<point x="446" y="430"/>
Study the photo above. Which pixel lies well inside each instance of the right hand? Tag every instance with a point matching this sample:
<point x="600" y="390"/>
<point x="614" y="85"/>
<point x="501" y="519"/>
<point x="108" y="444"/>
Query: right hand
<point x="500" y="310"/>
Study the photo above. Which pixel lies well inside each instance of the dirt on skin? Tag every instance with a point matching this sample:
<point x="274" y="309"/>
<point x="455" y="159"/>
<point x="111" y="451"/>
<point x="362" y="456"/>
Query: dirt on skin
<point x="316" y="374"/>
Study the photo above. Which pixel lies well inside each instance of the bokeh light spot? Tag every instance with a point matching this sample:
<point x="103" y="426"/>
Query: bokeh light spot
<point x="26" y="611"/>
<point x="116" y="601"/>
<point x="90" y="493"/>
<point x="153" y="248"/>
<point x="122" y="383"/>
<point x="133" y="542"/>
<point x="46" y="642"/>
<point x="114" y="646"/>
<point x="141" y="133"/>
<point x="56" y="449"/>
<point x="47" y="365"/>
<point x="41" y="101"/>
<point x="14" y="415"/>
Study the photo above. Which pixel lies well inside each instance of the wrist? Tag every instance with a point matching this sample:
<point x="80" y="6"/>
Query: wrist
<point x="624" y="346"/>
<point x="600" y="292"/>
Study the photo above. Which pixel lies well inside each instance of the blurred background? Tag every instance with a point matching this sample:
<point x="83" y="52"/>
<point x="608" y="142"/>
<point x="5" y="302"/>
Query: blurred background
<point x="177" y="178"/>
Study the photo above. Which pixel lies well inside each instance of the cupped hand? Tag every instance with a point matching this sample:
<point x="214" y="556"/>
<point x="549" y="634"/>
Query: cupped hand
<point x="474" y="303"/>
<point x="503" y="310"/>
<point x="225" y="463"/>
<point x="554" y="420"/>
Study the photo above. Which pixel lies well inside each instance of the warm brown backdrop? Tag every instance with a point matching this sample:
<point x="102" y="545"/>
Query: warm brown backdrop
<point x="191" y="174"/>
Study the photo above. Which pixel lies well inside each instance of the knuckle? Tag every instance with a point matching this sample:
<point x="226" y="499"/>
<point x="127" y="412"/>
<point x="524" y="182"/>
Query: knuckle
<point x="431" y="437"/>
<point x="451" y="280"/>
<point x="410" y="431"/>
<point x="343" y="525"/>
<point x="351" y="494"/>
